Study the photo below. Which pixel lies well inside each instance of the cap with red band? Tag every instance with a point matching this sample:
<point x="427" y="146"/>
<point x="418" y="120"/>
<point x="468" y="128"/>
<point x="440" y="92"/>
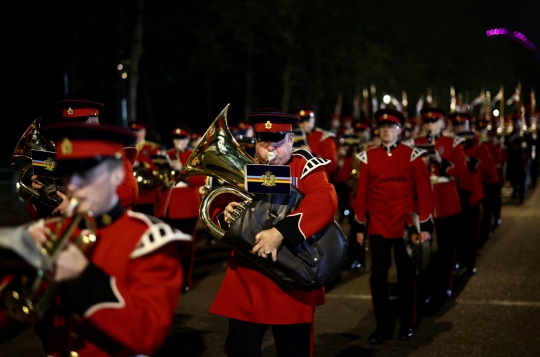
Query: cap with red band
<point x="181" y="131"/>
<point x="460" y="118"/>
<point x="272" y="122"/>
<point x="390" y="116"/>
<point x="136" y="126"/>
<point x="432" y="114"/>
<point x="75" y="141"/>
<point x="79" y="108"/>
<point x="305" y="111"/>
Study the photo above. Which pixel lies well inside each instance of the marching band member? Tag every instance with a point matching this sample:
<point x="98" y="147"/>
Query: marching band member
<point x="321" y="143"/>
<point x="82" y="111"/>
<point x="481" y="169"/>
<point x="251" y="299"/>
<point x="179" y="205"/>
<point x="117" y="297"/>
<point x="393" y="182"/>
<point x="446" y="163"/>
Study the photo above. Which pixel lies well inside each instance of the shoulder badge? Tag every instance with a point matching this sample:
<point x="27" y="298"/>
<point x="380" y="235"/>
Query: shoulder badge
<point x="362" y="156"/>
<point x="417" y="153"/>
<point x="312" y="164"/>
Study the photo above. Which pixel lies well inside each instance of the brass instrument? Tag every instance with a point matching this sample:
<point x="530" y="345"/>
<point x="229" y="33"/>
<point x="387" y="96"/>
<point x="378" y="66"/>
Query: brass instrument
<point x="220" y="156"/>
<point x="32" y="139"/>
<point x="27" y="293"/>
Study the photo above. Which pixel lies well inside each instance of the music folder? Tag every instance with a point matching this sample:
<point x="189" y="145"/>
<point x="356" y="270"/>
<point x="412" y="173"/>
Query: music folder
<point x="267" y="179"/>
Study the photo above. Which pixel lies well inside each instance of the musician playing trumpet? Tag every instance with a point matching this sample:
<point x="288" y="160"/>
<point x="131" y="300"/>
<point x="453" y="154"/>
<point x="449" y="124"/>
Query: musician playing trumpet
<point x="446" y="164"/>
<point x="117" y="296"/>
<point x="251" y="299"/>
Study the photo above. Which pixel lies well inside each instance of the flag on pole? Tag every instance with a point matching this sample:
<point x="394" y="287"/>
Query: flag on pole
<point x="497" y="97"/>
<point x="478" y="100"/>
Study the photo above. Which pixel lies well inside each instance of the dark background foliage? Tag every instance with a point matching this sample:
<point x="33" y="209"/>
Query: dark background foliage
<point x="199" y="56"/>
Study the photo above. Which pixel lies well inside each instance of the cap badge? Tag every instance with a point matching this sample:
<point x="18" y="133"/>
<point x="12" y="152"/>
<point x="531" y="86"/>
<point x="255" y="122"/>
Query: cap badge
<point x="66" y="147"/>
<point x="430" y="114"/>
<point x="302" y="113"/>
<point x="268" y="179"/>
<point x="385" y="116"/>
<point x="70" y="111"/>
<point x="50" y="164"/>
<point x="268" y="125"/>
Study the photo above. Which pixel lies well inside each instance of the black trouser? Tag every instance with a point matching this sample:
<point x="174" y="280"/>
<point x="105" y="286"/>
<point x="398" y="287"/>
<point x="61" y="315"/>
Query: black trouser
<point x="488" y="209"/>
<point x="381" y="250"/>
<point x="245" y="339"/>
<point x="497" y="201"/>
<point x="467" y="242"/>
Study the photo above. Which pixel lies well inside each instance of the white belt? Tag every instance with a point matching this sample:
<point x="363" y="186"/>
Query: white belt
<point x="440" y="179"/>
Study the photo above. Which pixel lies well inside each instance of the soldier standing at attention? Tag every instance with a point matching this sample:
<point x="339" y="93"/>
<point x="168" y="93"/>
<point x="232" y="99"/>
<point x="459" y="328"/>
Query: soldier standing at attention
<point x="393" y="182"/>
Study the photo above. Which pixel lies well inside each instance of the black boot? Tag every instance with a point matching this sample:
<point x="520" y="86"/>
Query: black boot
<point x="380" y="335"/>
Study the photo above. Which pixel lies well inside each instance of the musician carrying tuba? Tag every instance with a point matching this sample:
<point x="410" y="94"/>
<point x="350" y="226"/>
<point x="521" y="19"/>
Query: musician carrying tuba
<point x="91" y="279"/>
<point x="250" y="296"/>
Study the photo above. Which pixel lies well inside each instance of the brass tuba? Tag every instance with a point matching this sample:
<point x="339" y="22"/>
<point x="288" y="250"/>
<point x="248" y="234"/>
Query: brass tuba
<point x="32" y="139"/>
<point x="27" y="291"/>
<point x="220" y="156"/>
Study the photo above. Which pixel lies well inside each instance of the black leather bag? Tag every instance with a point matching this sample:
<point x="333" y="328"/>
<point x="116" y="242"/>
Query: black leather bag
<point x="306" y="266"/>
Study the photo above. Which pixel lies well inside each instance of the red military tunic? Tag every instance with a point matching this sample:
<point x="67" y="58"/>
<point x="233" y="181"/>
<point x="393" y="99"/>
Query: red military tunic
<point x="181" y="202"/>
<point x="247" y="294"/>
<point x="144" y="157"/>
<point x="443" y="177"/>
<point x="398" y="175"/>
<point x="498" y="155"/>
<point x="484" y="169"/>
<point x="323" y="144"/>
<point x="126" y="299"/>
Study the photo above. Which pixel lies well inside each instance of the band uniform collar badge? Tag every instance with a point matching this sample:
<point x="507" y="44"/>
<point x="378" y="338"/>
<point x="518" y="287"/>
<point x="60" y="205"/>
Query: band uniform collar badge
<point x="66" y="147"/>
<point x="268" y="125"/>
<point x="106" y="219"/>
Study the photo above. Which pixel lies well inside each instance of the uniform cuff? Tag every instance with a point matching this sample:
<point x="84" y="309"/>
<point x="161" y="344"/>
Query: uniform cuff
<point x="289" y="229"/>
<point x="91" y="288"/>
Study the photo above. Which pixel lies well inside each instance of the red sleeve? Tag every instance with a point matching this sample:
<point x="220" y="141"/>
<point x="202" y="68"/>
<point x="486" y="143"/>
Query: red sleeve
<point x="360" y="204"/>
<point x="315" y="211"/>
<point x="329" y="152"/>
<point x="459" y="168"/>
<point x="150" y="299"/>
<point x="424" y="195"/>
<point x="128" y="190"/>
<point x="487" y="165"/>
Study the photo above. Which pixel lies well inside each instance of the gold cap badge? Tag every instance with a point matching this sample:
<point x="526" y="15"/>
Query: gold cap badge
<point x="66" y="147"/>
<point x="70" y="111"/>
<point x="385" y="116"/>
<point x="268" y="125"/>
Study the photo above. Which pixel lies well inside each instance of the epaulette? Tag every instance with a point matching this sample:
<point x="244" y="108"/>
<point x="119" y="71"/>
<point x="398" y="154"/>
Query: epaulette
<point x="362" y="156"/>
<point x="327" y="134"/>
<point x="157" y="235"/>
<point x="312" y="161"/>
<point x="417" y="153"/>
<point x="457" y="141"/>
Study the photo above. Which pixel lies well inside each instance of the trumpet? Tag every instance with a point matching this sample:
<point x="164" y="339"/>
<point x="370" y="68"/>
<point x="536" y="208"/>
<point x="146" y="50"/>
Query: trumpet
<point x="26" y="293"/>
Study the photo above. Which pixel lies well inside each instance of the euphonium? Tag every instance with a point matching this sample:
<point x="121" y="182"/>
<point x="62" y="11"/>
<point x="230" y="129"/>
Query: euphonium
<point x="27" y="293"/>
<point x="32" y="139"/>
<point x="220" y="156"/>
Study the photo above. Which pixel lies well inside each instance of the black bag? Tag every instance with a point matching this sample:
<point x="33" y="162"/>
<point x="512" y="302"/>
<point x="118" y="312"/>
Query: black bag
<point x="307" y="266"/>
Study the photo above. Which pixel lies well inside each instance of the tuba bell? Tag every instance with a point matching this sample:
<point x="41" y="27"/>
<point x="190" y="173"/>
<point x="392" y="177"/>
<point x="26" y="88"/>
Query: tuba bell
<point x="219" y="155"/>
<point x="27" y="290"/>
<point x="33" y="140"/>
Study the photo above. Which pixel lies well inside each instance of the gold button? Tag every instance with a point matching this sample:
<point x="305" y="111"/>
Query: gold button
<point x="74" y="354"/>
<point x="389" y="154"/>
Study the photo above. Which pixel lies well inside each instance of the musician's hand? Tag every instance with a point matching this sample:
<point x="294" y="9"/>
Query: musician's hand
<point x="70" y="264"/>
<point x="229" y="210"/>
<point x="267" y="242"/>
<point x="424" y="236"/>
<point x="35" y="185"/>
<point x="37" y="231"/>
<point x="61" y="208"/>
<point x="360" y="238"/>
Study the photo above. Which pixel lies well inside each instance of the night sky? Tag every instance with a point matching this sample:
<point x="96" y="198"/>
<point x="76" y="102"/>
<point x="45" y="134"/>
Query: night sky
<point x="199" y="56"/>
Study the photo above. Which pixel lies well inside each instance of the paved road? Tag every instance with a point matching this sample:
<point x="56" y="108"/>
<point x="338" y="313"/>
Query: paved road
<point x="494" y="313"/>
